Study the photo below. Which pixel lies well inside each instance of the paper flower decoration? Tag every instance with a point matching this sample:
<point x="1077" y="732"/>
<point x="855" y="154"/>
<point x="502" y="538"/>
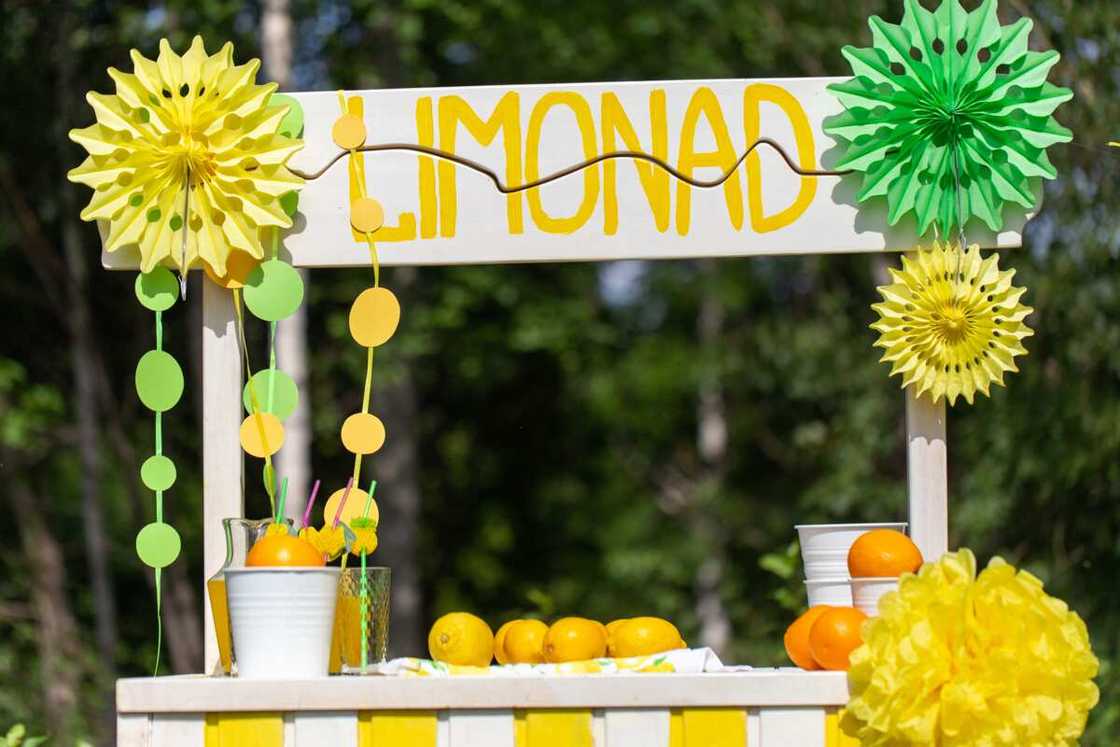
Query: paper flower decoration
<point x="365" y="536"/>
<point x="956" y="659"/>
<point x="951" y="322"/>
<point x="187" y="145"/>
<point x="331" y="541"/>
<point x="945" y="98"/>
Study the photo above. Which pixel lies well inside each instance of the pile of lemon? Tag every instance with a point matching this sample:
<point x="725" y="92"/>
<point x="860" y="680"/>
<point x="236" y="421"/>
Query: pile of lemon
<point x="465" y="639"/>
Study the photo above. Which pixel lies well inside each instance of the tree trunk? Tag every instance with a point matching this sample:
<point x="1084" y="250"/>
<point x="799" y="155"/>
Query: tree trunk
<point x="294" y="459"/>
<point x="82" y="356"/>
<point x="398" y="494"/>
<point x="56" y="632"/>
<point x="711" y="445"/>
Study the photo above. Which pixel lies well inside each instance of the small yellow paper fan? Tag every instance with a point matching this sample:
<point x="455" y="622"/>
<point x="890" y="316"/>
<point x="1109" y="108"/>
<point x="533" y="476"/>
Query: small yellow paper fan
<point x="200" y="119"/>
<point x="951" y="322"/>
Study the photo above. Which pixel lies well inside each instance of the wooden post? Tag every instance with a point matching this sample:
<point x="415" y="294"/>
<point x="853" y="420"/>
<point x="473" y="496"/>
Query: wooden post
<point x="928" y="475"/>
<point x="222" y="476"/>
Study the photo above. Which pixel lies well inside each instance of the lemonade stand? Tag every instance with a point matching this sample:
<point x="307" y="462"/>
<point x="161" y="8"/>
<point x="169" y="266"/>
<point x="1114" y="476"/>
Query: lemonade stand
<point x="940" y="136"/>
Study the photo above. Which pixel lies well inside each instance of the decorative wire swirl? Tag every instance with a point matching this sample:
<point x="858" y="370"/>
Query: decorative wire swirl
<point x="631" y="154"/>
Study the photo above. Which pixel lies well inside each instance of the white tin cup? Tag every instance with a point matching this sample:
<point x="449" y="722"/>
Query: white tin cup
<point x="835" y="592"/>
<point x="824" y="547"/>
<point x="281" y="620"/>
<point x="867" y="591"/>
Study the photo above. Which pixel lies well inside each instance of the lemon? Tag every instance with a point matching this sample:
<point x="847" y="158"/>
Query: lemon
<point x="575" y="639"/>
<point x="461" y="638"/>
<point x="643" y="636"/>
<point x="612" y="627"/>
<point x="524" y="642"/>
<point x="499" y="642"/>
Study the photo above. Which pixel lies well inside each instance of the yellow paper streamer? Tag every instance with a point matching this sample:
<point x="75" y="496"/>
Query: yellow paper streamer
<point x="348" y="135"/>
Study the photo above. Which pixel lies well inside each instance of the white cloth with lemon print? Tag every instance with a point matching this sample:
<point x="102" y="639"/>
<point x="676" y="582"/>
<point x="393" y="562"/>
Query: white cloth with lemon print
<point x="681" y="661"/>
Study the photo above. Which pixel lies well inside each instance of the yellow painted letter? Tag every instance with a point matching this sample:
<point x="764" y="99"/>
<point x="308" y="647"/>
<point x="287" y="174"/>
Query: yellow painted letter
<point x="405" y="230"/>
<point x="425" y="133"/>
<point x="655" y="180"/>
<point x="704" y="102"/>
<point x="586" y="126"/>
<point x="753" y="96"/>
<point x="453" y="110"/>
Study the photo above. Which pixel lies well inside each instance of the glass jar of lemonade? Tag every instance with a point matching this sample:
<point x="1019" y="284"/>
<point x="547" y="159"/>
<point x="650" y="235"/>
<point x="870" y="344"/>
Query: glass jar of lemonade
<point x="241" y="534"/>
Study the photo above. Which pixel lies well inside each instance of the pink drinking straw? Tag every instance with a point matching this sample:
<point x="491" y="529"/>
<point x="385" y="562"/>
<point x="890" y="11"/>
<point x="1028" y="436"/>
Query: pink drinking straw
<point x="342" y="503"/>
<point x="310" y="503"/>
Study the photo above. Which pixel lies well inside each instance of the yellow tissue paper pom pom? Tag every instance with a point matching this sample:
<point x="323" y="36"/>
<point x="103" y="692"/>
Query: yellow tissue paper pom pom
<point x="950" y="322"/>
<point x="956" y="660"/>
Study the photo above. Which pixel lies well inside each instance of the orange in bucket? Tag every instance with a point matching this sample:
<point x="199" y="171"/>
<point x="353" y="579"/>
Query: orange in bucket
<point x="283" y="550"/>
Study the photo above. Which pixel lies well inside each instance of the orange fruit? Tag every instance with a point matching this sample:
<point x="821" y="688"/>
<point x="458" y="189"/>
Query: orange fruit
<point x="575" y="639"/>
<point x="524" y="642"/>
<point x="834" y="635"/>
<point x="883" y="553"/>
<point x="499" y="642"/>
<point x="797" y="638"/>
<point x="283" y="550"/>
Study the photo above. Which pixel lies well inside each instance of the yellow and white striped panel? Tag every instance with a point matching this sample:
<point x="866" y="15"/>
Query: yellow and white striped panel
<point x="612" y="727"/>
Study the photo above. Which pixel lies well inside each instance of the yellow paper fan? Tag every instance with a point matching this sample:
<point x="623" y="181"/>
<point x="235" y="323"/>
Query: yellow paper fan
<point x="951" y="322"/>
<point x="198" y="118"/>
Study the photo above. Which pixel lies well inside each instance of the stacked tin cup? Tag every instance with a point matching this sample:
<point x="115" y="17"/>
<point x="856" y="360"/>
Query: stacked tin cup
<point x="824" y="553"/>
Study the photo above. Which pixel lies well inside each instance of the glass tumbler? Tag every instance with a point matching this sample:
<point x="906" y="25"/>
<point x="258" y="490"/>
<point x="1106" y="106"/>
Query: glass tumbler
<point x="353" y="627"/>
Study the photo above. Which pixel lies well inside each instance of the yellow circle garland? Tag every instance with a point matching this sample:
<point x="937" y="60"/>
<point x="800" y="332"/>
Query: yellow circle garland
<point x="956" y="660"/>
<point x="200" y="120"/>
<point x="951" y="322"/>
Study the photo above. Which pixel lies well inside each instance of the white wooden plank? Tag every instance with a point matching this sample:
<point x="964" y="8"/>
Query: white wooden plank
<point x="443" y="729"/>
<point x="928" y="475"/>
<point x="439" y="213"/>
<point x="178" y="729"/>
<point x="754" y="728"/>
<point x="316" y="729"/>
<point x="758" y="687"/>
<point x="485" y="728"/>
<point x="598" y="727"/>
<point x="134" y="730"/>
<point x="785" y="727"/>
<point x="289" y="729"/>
<point x="222" y="494"/>
<point x="636" y="726"/>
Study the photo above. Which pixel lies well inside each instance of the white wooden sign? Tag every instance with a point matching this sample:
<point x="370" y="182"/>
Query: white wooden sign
<point x="439" y="212"/>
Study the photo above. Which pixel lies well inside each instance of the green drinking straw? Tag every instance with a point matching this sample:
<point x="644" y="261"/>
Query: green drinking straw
<point x="364" y="593"/>
<point x="280" y="505"/>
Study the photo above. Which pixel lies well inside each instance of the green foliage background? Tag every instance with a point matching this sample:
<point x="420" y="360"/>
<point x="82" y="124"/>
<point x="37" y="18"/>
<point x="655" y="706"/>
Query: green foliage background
<point x="558" y="403"/>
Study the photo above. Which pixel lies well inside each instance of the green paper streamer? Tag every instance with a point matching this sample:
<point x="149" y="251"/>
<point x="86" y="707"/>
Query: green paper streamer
<point x="159" y="385"/>
<point x="159" y="620"/>
<point x="949" y="116"/>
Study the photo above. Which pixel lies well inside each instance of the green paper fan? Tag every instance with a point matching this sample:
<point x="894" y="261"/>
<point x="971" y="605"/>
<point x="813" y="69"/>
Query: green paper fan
<point x="944" y="97"/>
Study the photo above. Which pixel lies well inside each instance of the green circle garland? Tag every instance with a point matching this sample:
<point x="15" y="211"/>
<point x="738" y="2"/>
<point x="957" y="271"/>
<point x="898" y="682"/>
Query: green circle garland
<point x="949" y="116"/>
